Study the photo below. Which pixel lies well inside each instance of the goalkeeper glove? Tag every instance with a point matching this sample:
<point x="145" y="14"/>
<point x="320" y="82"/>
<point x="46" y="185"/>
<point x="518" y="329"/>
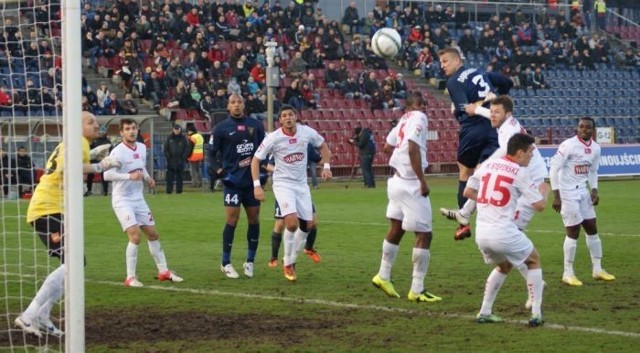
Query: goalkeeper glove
<point x="106" y="163"/>
<point x="98" y="153"/>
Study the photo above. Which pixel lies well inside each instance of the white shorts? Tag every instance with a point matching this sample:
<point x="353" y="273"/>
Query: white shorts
<point x="133" y="213"/>
<point x="406" y="204"/>
<point x="576" y="207"/>
<point x="294" y="199"/>
<point x="515" y="248"/>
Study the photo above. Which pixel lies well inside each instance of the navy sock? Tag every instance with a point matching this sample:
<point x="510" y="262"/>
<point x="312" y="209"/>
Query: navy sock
<point x="311" y="239"/>
<point x="276" y="240"/>
<point x="227" y="242"/>
<point x="253" y="234"/>
<point x="461" y="199"/>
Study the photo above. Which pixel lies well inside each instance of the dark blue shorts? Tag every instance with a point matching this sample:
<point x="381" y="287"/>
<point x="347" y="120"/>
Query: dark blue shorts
<point x="278" y="215"/>
<point x="235" y="197"/>
<point x="476" y="143"/>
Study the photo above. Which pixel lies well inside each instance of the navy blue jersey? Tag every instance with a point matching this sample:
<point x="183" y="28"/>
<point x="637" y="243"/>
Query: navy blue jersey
<point x="234" y="143"/>
<point x="500" y="82"/>
<point x="468" y="86"/>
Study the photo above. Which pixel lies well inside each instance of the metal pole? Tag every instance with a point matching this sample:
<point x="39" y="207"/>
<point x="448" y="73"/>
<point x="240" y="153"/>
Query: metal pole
<point x="273" y="80"/>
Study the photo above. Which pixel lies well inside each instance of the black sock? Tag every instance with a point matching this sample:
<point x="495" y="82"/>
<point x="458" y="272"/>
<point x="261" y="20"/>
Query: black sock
<point x="253" y="233"/>
<point x="461" y="199"/>
<point x="311" y="239"/>
<point x="227" y="241"/>
<point x="276" y="240"/>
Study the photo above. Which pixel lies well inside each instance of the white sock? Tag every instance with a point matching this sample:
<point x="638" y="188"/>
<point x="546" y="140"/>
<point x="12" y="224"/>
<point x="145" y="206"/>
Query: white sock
<point x="50" y="293"/>
<point x="595" y="248"/>
<point x="158" y="255"/>
<point x="132" y="259"/>
<point x="420" y="259"/>
<point x="288" y="238"/>
<point x="468" y="208"/>
<point x="569" y="255"/>
<point x="524" y="270"/>
<point x="301" y="240"/>
<point x="491" y="289"/>
<point x="536" y="287"/>
<point x="389" y="253"/>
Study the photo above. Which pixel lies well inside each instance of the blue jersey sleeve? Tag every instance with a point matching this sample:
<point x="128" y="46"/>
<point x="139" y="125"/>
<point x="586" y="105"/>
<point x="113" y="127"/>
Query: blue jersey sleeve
<point x="312" y="154"/>
<point x="501" y="82"/>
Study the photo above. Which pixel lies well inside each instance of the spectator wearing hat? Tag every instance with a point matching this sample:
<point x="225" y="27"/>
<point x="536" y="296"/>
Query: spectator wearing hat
<point x="176" y="151"/>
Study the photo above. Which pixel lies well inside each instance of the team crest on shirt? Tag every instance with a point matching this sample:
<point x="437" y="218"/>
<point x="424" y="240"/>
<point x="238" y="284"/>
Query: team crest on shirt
<point x="293" y="141"/>
<point x="250" y="130"/>
<point x="136" y="156"/>
<point x="587" y="151"/>
<point x="241" y="128"/>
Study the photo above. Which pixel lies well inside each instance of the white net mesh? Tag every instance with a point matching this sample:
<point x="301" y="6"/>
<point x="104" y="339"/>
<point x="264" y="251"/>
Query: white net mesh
<point x="30" y="128"/>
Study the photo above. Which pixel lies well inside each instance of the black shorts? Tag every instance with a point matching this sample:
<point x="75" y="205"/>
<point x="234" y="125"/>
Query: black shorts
<point x="50" y="229"/>
<point x="476" y="143"/>
<point x="234" y="197"/>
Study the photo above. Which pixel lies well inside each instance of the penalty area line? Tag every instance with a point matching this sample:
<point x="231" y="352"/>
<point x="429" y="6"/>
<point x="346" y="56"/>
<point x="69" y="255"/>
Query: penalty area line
<point x="334" y="304"/>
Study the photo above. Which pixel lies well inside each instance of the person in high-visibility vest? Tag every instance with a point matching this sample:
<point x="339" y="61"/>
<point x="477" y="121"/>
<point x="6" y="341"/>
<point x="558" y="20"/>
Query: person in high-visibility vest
<point x="196" y="156"/>
<point x="601" y="14"/>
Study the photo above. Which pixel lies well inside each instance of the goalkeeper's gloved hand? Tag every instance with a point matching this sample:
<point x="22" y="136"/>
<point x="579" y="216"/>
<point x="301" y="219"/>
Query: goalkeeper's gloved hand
<point x="105" y="164"/>
<point x="98" y="153"/>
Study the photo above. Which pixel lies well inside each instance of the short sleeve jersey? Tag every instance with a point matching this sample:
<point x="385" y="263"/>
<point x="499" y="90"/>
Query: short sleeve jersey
<point x="237" y="141"/>
<point x="411" y="127"/>
<point x="574" y="160"/>
<point x="500" y="183"/>
<point x="132" y="159"/>
<point x="48" y="197"/>
<point x="290" y="153"/>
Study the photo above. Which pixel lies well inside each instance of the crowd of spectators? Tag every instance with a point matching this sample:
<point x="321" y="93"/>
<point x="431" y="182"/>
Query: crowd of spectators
<point x="192" y="55"/>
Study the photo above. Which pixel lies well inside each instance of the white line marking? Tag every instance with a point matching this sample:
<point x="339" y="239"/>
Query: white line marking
<point x="559" y="231"/>
<point x="370" y="307"/>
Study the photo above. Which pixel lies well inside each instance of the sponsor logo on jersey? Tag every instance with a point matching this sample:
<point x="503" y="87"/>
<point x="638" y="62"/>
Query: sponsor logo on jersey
<point x="244" y="147"/>
<point x="294" y="157"/>
<point x="581" y="169"/>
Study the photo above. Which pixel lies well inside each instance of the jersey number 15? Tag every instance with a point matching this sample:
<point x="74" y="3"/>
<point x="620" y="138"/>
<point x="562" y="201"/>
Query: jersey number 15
<point x="500" y="194"/>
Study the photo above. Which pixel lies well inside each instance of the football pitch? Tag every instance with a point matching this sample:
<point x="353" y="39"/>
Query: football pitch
<point x="333" y="307"/>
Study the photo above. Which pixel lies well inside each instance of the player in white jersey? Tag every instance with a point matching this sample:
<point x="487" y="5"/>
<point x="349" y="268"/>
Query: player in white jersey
<point x="575" y="165"/>
<point x="129" y="205"/>
<point x="288" y="145"/>
<point x="409" y="207"/>
<point x="497" y="187"/>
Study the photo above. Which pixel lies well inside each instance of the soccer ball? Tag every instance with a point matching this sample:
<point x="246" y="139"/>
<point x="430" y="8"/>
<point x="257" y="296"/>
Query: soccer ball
<point x="386" y="43"/>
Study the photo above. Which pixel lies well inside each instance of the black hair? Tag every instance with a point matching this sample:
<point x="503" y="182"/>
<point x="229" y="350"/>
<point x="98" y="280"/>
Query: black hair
<point x="519" y="142"/>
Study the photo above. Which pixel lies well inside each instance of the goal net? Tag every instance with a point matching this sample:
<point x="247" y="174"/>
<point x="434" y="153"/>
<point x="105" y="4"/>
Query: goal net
<point x="32" y="87"/>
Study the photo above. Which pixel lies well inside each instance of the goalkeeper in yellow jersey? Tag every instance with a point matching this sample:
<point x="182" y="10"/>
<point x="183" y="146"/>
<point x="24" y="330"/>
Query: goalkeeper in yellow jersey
<point x="45" y="214"/>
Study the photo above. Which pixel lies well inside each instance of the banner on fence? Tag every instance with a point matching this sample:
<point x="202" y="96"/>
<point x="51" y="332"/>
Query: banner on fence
<point x="616" y="160"/>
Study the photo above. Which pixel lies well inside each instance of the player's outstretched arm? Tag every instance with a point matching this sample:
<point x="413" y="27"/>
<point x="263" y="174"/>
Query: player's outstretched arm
<point x="105" y="164"/>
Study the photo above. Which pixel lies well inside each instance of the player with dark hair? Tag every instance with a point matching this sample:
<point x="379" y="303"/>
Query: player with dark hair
<point x="235" y="140"/>
<point x="477" y="139"/>
<point x="46" y="215"/>
<point x="289" y="145"/>
<point x="409" y="207"/>
<point x="132" y="211"/>
<point x="574" y="181"/>
<point x="278" y="227"/>
<point x="498" y="186"/>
